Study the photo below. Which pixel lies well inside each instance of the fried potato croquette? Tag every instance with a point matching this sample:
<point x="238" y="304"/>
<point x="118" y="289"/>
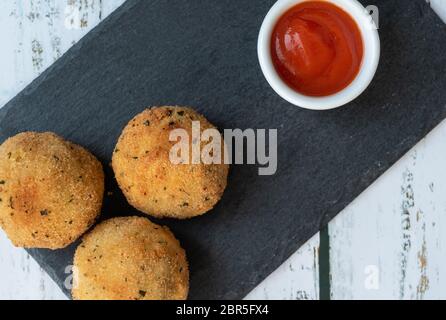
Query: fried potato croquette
<point x="150" y="181"/>
<point x="130" y="258"/>
<point x="51" y="190"/>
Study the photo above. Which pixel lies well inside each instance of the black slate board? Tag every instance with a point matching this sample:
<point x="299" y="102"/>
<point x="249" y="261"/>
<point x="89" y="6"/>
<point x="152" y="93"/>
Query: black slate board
<point x="203" y="53"/>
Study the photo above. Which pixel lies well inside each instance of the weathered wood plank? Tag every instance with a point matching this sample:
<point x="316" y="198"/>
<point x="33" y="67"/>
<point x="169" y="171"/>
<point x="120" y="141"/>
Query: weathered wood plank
<point x="34" y="34"/>
<point x="440" y="7"/>
<point x="39" y="32"/>
<point x="22" y="278"/>
<point x="296" y="279"/>
<point x="389" y="242"/>
<point x="394" y="227"/>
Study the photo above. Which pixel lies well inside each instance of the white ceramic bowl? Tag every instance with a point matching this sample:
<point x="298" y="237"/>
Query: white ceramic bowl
<point x="360" y="83"/>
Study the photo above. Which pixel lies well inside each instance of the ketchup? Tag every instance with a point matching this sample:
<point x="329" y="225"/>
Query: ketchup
<point x="317" y="48"/>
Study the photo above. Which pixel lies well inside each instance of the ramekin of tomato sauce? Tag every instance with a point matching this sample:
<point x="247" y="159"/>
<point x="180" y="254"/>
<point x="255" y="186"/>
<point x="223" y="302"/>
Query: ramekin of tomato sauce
<point x="318" y="54"/>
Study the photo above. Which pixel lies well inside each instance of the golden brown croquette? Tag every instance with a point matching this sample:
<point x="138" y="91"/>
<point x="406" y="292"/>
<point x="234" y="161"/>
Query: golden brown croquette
<point x="130" y="258"/>
<point x="51" y="190"/>
<point x="150" y="181"/>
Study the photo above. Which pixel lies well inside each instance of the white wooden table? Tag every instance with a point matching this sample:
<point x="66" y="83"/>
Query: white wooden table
<point x="388" y="244"/>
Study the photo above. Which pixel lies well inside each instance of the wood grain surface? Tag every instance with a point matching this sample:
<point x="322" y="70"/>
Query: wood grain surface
<point x="393" y="229"/>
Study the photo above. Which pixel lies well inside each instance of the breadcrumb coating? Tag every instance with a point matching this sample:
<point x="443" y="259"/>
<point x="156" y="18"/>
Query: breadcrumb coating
<point x="130" y="258"/>
<point x="51" y="190"/>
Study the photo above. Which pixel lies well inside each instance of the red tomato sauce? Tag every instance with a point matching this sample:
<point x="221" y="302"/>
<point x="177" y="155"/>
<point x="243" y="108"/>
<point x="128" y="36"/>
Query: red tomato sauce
<point x="317" y="48"/>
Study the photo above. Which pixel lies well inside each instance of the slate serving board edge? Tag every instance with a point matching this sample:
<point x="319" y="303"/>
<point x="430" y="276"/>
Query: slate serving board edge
<point x="337" y="205"/>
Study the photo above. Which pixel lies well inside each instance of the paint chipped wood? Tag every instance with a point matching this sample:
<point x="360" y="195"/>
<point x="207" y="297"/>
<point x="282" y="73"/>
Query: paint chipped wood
<point x="34" y="34"/>
<point x="393" y="231"/>
<point x="396" y="226"/>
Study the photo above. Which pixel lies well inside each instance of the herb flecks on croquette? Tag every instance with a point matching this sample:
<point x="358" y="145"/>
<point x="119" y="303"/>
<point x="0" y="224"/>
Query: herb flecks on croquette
<point x="40" y="174"/>
<point x="130" y="259"/>
<point x="159" y="187"/>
